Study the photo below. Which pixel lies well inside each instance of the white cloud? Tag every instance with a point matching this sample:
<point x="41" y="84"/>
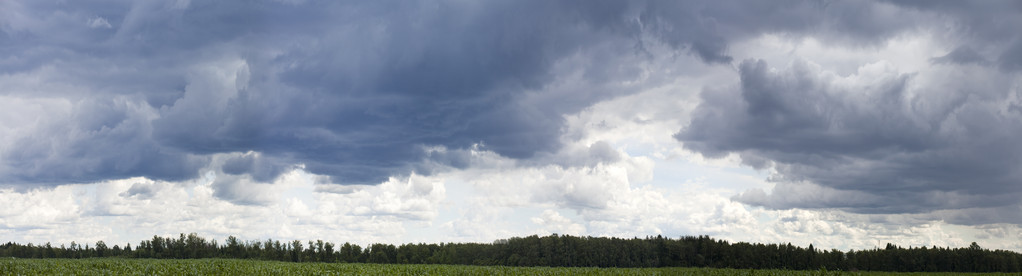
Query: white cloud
<point x="553" y="222"/>
<point x="39" y="208"/>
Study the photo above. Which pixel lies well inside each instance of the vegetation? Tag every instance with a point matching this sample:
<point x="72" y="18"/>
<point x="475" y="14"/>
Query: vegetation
<point x="119" y="266"/>
<point x="556" y="251"/>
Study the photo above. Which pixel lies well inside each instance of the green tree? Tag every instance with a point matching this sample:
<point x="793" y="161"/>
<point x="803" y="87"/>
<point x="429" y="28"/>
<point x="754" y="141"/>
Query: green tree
<point x="101" y="249"/>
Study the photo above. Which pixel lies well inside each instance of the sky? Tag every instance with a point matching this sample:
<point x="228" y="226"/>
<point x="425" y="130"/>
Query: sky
<point x="842" y="124"/>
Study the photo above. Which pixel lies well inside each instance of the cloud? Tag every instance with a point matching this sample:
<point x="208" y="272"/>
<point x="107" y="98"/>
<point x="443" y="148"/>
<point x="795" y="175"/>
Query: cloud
<point x="91" y="140"/>
<point x="38" y="209"/>
<point x="1011" y="59"/>
<point x="243" y="190"/>
<point x="358" y="91"/>
<point x="878" y="141"/>
<point x="555" y="223"/>
<point x="286" y="81"/>
<point x="648" y="189"/>
<point x="962" y="55"/>
<point x="139" y="190"/>
<point x="982" y="27"/>
<point x="98" y="22"/>
<point x="451" y="120"/>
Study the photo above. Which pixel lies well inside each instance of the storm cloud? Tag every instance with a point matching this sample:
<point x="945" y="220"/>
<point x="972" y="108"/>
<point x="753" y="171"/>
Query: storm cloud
<point x="352" y="90"/>
<point x="360" y="92"/>
<point x="881" y="140"/>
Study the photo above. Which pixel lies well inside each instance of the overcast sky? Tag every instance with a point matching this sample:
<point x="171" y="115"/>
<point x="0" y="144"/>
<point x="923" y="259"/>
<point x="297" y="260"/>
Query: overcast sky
<point x="845" y="124"/>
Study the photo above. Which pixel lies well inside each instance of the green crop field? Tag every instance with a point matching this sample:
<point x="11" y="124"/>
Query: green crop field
<point x="117" y="266"/>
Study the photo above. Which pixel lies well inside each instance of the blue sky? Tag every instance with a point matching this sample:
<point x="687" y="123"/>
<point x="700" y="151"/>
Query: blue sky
<point x="845" y="124"/>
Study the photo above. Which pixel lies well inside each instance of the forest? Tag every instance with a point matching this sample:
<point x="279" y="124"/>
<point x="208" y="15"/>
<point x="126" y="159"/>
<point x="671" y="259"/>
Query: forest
<point x="553" y="250"/>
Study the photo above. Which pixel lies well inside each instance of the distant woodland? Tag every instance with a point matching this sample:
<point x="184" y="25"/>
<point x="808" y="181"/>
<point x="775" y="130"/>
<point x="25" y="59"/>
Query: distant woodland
<point x="553" y="250"/>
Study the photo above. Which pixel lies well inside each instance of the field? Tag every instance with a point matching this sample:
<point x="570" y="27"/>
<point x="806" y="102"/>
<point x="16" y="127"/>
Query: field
<point x="117" y="266"/>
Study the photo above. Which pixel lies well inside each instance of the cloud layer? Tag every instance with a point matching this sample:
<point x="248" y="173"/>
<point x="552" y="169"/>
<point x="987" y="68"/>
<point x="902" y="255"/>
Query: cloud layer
<point x="354" y="91"/>
<point x="351" y="90"/>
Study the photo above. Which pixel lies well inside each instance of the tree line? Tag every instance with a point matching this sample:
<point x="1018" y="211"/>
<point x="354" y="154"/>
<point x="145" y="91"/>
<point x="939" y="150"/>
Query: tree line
<point x="553" y="250"/>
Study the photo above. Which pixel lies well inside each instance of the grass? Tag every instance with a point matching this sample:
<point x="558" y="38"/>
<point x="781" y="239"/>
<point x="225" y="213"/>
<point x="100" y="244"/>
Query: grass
<point x="117" y="266"/>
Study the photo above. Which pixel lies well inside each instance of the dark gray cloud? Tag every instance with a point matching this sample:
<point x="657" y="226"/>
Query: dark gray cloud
<point x="939" y="143"/>
<point x="872" y="145"/>
<point x="352" y="90"/>
<point x="261" y="169"/>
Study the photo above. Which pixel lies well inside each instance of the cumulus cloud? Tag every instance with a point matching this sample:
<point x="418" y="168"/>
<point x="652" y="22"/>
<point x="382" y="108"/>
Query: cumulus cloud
<point x="39" y="208"/>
